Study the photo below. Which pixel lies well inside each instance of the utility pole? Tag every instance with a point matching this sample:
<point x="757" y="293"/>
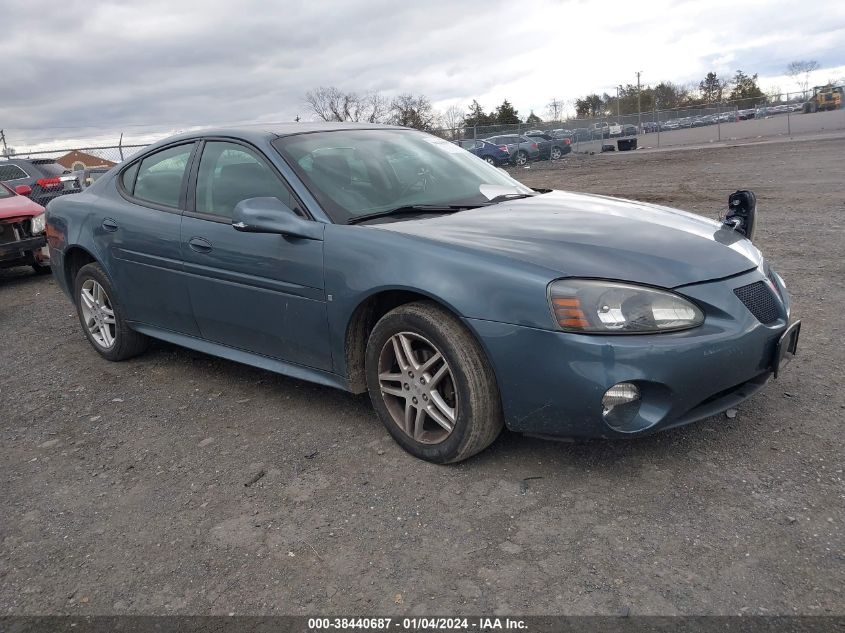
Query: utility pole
<point x="3" y="140"/>
<point x="618" y="91"/>
<point x="639" y="107"/>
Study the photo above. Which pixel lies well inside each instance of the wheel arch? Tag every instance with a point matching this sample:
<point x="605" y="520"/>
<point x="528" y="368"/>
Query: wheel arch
<point x="364" y="318"/>
<point x="75" y="257"/>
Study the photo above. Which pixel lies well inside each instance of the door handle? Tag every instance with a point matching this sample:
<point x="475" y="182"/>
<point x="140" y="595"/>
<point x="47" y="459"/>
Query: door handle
<point x="109" y="225"/>
<point x="200" y="245"/>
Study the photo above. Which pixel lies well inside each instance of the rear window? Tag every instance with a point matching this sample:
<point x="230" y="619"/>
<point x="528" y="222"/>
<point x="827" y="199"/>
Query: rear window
<point x="50" y="169"/>
<point x="5" y="193"/>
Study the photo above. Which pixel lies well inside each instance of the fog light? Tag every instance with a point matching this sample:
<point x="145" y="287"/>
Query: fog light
<point x="620" y="404"/>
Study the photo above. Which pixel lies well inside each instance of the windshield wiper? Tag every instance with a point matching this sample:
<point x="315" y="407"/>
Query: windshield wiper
<point x="411" y="209"/>
<point x="438" y="208"/>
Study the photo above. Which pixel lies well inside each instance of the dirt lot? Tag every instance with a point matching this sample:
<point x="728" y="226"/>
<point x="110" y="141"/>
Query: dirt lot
<point x="124" y="485"/>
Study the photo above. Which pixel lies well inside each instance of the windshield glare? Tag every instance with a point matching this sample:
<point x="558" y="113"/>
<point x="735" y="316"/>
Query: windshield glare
<point x="359" y="172"/>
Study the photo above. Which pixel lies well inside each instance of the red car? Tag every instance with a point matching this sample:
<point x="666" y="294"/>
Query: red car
<point x="22" y="230"/>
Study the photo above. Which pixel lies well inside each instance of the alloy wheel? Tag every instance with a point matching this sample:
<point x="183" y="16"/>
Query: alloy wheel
<point x="555" y="153"/>
<point x="418" y="388"/>
<point x="521" y="158"/>
<point x="98" y="313"/>
<point x="490" y="160"/>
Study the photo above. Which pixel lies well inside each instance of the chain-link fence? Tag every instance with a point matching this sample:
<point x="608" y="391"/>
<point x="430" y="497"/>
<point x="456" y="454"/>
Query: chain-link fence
<point x="77" y="158"/>
<point x="817" y="110"/>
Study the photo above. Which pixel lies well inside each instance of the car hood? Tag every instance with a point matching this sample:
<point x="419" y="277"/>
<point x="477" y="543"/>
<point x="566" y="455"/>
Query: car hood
<point x="579" y="235"/>
<point x="19" y="207"/>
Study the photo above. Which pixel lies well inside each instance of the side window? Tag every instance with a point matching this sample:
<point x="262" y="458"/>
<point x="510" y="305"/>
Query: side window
<point x="12" y="172"/>
<point x="160" y="175"/>
<point x="230" y="173"/>
<point x="128" y="178"/>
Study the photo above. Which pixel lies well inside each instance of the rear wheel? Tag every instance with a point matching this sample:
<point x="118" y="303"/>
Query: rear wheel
<point x="490" y="159"/>
<point x="102" y="317"/>
<point x="556" y="153"/>
<point x="431" y="384"/>
<point x="521" y="158"/>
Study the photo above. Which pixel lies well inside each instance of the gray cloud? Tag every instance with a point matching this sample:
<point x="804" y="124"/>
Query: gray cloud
<point x="89" y="68"/>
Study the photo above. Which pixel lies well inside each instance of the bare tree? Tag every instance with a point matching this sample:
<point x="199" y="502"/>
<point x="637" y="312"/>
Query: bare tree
<point x="554" y="109"/>
<point x="412" y="111"/>
<point x="332" y="104"/>
<point x="800" y="71"/>
<point x="453" y="118"/>
<point x="773" y="95"/>
<point x="375" y="108"/>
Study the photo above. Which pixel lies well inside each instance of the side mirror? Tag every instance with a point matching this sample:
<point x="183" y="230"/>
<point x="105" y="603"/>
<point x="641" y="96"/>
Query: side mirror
<point x="270" y="215"/>
<point x="23" y="190"/>
<point x="742" y="211"/>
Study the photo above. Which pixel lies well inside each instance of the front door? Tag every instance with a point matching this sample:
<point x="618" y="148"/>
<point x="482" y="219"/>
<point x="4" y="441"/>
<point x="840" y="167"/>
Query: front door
<point x="257" y="292"/>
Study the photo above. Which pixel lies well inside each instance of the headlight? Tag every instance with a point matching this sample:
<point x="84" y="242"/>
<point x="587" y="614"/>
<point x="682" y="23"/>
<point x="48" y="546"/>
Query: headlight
<point x="609" y="307"/>
<point x="39" y="223"/>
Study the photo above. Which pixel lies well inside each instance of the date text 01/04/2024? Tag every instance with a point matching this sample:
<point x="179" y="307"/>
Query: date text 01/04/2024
<point x="417" y="624"/>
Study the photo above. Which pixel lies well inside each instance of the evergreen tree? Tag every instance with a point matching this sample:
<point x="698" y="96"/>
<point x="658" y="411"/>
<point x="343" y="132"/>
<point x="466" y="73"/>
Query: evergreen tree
<point x="533" y="118"/>
<point x="711" y="88"/>
<point x="477" y="116"/>
<point x="506" y="114"/>
<point x="745" y="90"/>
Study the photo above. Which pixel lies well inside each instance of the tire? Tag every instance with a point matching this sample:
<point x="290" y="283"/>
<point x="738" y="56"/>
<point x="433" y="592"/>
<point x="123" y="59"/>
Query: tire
<point x="490" y="159"/>
<point x="125" y="342"/>
<point x="467" y="384"/>
<point x="521" y="158"/>
<point x="556" y="153"/>
<point x="41" y="269"/>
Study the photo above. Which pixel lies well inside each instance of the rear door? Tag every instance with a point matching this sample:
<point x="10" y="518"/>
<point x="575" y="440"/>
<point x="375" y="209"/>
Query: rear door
<point x="256" y="292"/>
<point x="138" y="231"/>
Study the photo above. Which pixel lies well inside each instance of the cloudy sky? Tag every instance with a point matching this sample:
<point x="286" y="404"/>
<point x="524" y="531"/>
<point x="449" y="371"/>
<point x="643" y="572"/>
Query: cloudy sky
<point x="91" y="69"/>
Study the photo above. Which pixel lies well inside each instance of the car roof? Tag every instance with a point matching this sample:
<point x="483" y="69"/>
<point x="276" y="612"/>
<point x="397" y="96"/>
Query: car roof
<point x="275" y="130"/>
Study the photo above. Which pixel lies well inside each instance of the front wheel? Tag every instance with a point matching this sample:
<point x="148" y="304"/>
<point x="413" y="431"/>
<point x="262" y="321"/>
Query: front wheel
<point x="102" y="317"/>
<point x="556" y="153"/>
<point x="431" y="384"/>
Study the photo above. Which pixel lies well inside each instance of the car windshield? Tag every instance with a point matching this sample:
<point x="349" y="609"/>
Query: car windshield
<point x="360" y="172"/>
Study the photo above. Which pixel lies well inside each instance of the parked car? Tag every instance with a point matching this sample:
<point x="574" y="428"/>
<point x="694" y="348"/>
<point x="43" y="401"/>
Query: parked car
<point x="521" y="148"/>
<point x="562" y="133"/>
<point x="550" y="147"/>
<point x="491" y="153"/>
<point x="582" y="135"/>
<point x="47" y="178"/>
<point x="22" y="225"/>
<point x="650" y="126"/>
<point x="607" y="130"/>
<point x="88" y="176"/>
<point x="383" y="259"/>
<point x="629" y="130"/>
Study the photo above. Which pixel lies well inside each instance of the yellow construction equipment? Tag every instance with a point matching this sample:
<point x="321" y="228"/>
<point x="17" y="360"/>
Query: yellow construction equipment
<point x="824" y="98"/>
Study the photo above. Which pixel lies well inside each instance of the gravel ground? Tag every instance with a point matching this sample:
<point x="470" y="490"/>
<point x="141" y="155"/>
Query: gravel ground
<point x="137" y="487"/>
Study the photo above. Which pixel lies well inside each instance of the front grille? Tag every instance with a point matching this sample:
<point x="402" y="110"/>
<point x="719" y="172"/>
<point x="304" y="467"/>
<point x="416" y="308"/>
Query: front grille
<point x="760" y="301"/>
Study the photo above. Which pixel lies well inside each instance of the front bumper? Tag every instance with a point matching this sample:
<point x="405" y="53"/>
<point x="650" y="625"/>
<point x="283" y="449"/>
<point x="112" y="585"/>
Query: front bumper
<point x="20" y="248"/>
<point x="552" y="382"/>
